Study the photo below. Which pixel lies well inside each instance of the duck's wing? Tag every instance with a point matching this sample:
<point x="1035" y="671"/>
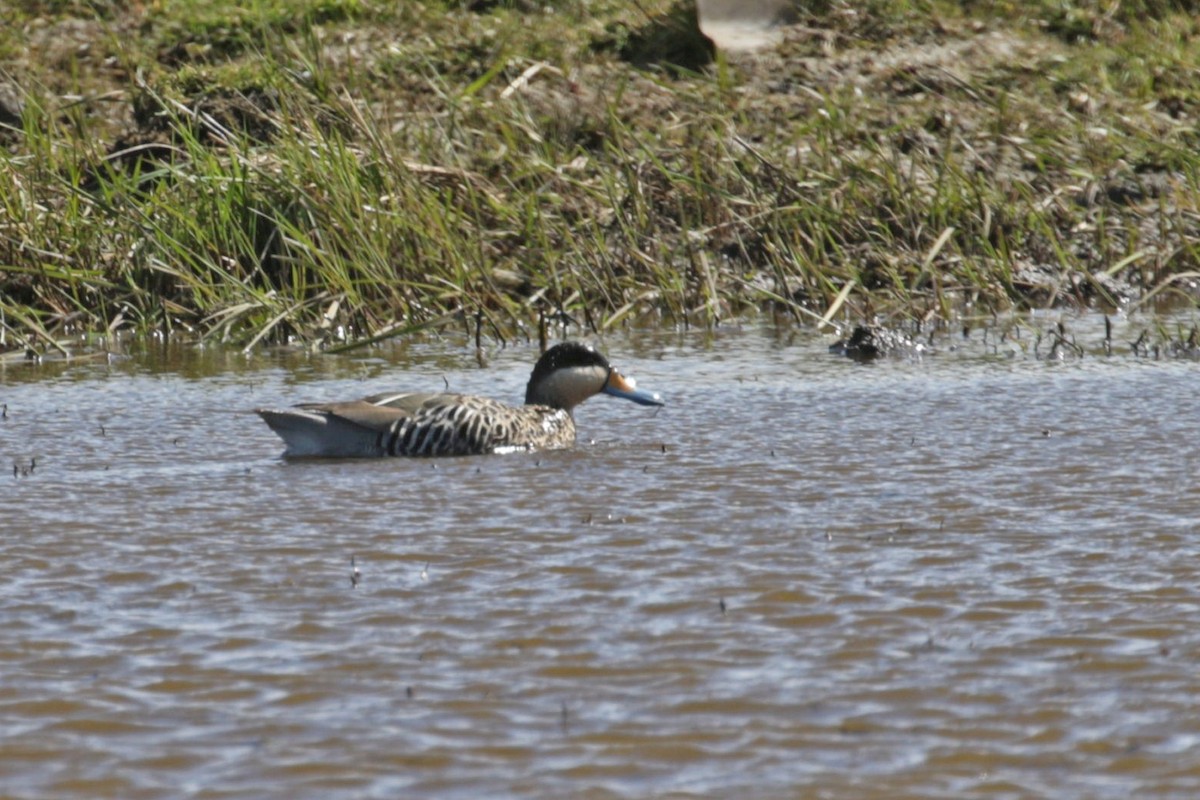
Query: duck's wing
<point x="420" y="402"/>
<point x="415" y="424"/>
<point x="341" y="430"/>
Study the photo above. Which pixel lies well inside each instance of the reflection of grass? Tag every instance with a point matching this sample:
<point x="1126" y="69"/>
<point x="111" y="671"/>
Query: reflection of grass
<point x="329" y="170"/>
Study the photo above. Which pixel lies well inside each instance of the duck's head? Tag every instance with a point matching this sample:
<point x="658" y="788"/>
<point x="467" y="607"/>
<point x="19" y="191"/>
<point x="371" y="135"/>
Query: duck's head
<point x="569" y="373"/>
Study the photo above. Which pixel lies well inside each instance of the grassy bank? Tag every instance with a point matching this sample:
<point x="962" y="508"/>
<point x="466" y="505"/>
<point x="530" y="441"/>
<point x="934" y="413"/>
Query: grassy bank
<point x="327" y="171"/>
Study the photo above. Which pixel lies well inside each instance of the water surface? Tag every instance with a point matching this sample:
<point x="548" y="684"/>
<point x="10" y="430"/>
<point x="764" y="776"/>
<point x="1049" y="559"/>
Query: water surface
<point x="966" y="575"/>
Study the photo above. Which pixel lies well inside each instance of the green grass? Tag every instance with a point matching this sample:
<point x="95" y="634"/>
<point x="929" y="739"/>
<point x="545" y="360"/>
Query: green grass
<point x="328" y="172"/>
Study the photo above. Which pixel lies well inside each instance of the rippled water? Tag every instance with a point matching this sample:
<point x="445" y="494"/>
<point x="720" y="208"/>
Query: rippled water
<point x="969" y="575"/>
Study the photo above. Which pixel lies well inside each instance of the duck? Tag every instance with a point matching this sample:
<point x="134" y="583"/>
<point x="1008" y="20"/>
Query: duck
<point x="448" y="424"/>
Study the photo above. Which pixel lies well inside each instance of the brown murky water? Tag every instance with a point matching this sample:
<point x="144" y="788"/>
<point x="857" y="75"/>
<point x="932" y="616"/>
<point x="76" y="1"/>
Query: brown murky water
<point x="973" y="575"/>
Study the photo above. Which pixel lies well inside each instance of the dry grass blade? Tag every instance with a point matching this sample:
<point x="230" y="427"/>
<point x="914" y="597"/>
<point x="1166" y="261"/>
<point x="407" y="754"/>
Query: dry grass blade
<point x="836" y="305"/>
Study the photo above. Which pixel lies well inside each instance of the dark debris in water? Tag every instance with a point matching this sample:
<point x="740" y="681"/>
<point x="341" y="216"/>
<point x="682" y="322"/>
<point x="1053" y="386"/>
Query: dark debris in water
<point x="1064" y="339"/>
<point x="868" y="342"/>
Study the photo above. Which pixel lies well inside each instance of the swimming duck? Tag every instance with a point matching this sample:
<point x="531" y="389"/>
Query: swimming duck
<point x="443" y="424"/>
